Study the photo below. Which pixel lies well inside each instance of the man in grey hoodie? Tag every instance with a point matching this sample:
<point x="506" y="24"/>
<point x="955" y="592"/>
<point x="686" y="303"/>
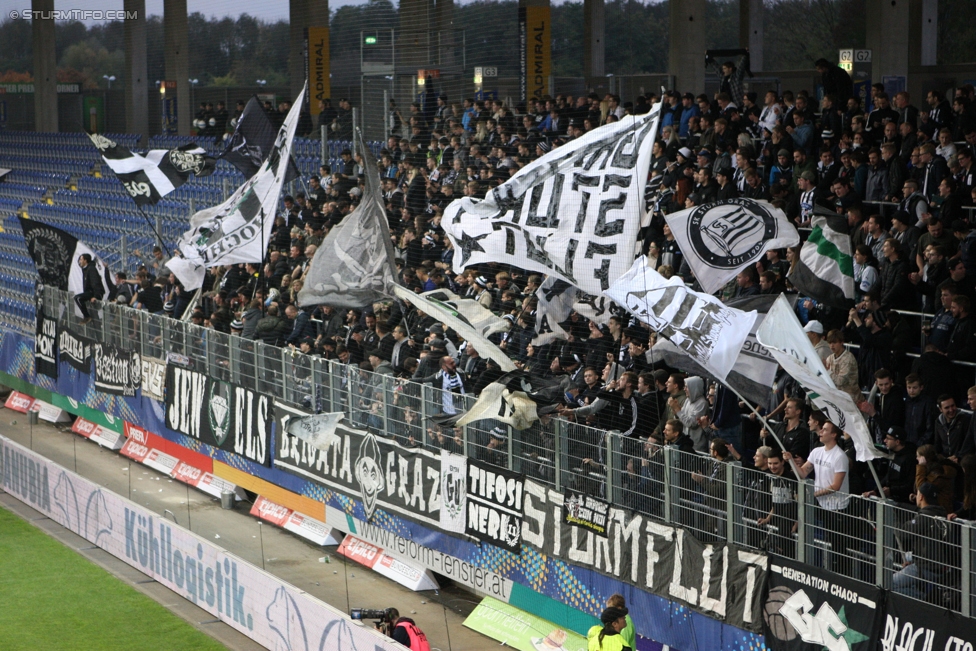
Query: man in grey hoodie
<point x="694" y="408"/>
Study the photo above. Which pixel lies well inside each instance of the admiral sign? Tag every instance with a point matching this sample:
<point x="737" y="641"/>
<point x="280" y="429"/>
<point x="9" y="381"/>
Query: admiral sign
<point x="232" y="418"/>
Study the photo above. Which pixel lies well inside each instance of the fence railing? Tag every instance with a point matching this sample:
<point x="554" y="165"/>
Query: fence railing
<point x="870" y="540"/>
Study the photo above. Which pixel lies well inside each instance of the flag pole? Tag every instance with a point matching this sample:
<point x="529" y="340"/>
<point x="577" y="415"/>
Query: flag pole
<point x="159" y="237"/>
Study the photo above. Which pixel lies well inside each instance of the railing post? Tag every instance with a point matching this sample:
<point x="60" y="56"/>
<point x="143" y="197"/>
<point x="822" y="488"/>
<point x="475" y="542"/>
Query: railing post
<point x="668" y="460"/>
<point x="965" y="584"/>
<point x="608" y="493"/>
<point x="558" y="432"/>
<point x="511" y="445"/>
<point x="729" y="505"/>
<point x="880" y="506"/>
<point x="324" y="145"/>
<point x="801" y="521"/>
<point x="423" y="412"/>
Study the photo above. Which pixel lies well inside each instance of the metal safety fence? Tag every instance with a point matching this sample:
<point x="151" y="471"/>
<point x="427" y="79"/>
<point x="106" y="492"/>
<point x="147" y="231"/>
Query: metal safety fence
<point x="871" y="540"/>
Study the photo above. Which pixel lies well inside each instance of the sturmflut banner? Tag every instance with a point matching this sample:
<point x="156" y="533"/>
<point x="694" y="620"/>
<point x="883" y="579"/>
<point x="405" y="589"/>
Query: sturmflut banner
<point x="722" y="581"/>
<point x="229" y="417"/>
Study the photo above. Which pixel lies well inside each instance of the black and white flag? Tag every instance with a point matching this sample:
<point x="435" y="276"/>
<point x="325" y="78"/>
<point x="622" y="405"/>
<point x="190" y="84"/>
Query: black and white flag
<point x="720" y="239"/>
<point x="149" y="178"/>
<point x="75" y="349"/>
<point x="55" y="253"/>
<point x="46" y="345"/>
<point x="117" y="371"/>
<point x="239" y="229"/>
<point x="574" y="213"/>
<point x="318" y="430"/>
<point x="699" y="324"/>
<point x="755" y="368"/>
<point x="354" y="266"/>
<point x="252" y="141"/>
<point x="494" y="505"/>
<point x="555" y="303"/>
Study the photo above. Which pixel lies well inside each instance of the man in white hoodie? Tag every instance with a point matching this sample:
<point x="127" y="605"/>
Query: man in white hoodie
<point x="694" y="408"/>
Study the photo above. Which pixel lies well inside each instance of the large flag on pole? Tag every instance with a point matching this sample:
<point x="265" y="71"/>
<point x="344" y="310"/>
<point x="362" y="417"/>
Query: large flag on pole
<point x="720" y="239"/>
<point x="252" y="141"/>
<point x="754" y="370"/>
<point x="782" y="334"/>
<point x="55" y="253"/>
<point x="149" y="178"/>
<point x="355" y="264"/>
<point x="574" y="213"/>
<point x="239" y="229"/>
<point x="825" y="270"/>
<point x="697" y="323"/>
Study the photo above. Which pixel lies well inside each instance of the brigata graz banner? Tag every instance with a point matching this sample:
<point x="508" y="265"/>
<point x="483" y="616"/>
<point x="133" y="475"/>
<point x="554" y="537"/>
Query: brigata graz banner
<point x="810" y="609"/>
<point x="723" y="581"/>
<point x="376" y="470"/>
<point x="911" y="625"/>
<point x="225" y="416"/>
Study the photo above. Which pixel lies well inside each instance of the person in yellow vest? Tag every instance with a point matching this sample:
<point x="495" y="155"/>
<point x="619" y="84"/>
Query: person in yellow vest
<point x="628" y="633"/>
<point x="607" y="637"/>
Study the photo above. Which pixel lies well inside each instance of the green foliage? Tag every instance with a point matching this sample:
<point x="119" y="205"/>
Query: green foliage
<point x="53" y="598"/>
<point x="92" y="60"/>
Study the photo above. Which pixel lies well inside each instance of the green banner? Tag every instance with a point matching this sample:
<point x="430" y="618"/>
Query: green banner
<point x="521" y="630"/>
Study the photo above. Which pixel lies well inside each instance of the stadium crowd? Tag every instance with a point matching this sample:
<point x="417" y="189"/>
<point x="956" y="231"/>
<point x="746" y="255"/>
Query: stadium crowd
<point x="901" y="175"/>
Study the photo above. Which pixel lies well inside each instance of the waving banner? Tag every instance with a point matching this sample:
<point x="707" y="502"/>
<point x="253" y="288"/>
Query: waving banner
<point x="574" y="213"/>
<point x="702" y="326"/>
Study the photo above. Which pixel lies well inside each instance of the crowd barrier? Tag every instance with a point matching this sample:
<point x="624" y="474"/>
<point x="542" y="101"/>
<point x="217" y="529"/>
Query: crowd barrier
<point x="718" y="502"/>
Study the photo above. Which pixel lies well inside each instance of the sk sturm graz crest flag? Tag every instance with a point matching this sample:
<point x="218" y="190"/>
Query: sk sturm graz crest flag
<point x="354" y="265"/>
<point x="810" y="609"/>
<point x="574" y="213"/>
<point x="253" y="138"/>
<point x="720" y="239"/>
<point x="149" y="178"/>
<point x="825" y="270"/>
<point x="55" y="253"/>
<point x="239" y="229"/>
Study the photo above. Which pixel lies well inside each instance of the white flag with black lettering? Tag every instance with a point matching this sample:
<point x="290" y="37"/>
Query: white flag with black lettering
<point x="574" y="213"/>
<point x="697" y="323"/>
<point x="318" y="430"/>
<point x="783" y="336"/>
<point x="149" y="178"/>
<point x="720" y="239"/>
<point x="555" y="304"/>
<point x="239" y="229"/>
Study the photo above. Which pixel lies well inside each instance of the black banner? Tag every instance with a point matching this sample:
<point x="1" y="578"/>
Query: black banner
<point x="586" y="511"/>
<point x="46" y="346"/>
<point x="376" y="470"/>
<point x="495" y="505"/>
<point x="809" y="609"/>
<point x="914" y="626"/>
<point x="117" y="371"/>
<point x="225" y="416"/>
<point x="722" y="581"/>
<point x="75" y="349"/>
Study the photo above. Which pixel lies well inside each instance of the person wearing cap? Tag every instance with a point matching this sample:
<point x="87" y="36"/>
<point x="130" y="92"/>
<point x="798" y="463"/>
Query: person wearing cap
<point x="899" y="482"/>
<point x="781" y="173"/>
<point x="495" y="450"/>
<point x="381" y="365"/>
<point x="726" y="188"/>
<point x="903" y="230"/>
<point x="815" y="333"/>
<point x="807" y="196"/>
<point x="606" y="636"/>
<point x="928" y="547"/>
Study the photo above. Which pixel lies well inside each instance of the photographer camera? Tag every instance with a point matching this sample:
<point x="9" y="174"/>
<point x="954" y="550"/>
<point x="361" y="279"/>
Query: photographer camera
<point x="404" y="631"/>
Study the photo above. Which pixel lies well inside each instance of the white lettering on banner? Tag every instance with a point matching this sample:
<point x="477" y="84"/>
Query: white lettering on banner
<point x="655" y="529"/>
<point x="250" y="433"/>
<point x="753" y="561"/>
<point x="906" y="637"/>
<point x="824" y="628"/>
<point x="186" y="409"/>
<point x="688" y="594"/>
